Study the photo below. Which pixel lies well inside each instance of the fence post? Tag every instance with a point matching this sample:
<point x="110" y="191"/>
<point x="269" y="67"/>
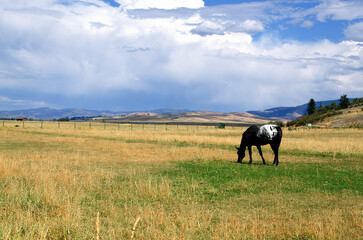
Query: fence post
<point x="58" y="124"/>
<point x="41" y="124"/>
<point x="23" y="124"/>
<point x="75" y="125"/>
<point x="118" y="127"/>
<point x="3" y="123"/>
<point x="104" y="126"/>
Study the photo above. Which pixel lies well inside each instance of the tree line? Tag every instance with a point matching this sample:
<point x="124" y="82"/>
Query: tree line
<point x="318" y="114"/>
<point x="343" y="103"/>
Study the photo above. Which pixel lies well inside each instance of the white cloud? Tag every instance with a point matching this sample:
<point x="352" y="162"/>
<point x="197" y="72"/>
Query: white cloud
<point x="307" y="24"/>
<point x="248" y="17"/>
<point x="355" y="32"/>
<point x="90" y="49"/>
<point x="160" y="4"/>
<point x="252" y="26"/>
<point x="338" y="10"/>
<point x="208" y="28"/>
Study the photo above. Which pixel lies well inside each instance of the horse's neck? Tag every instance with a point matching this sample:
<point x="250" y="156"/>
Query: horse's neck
<point x="243" y="145"/>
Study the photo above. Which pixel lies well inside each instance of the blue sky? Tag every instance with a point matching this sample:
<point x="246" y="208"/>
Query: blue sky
<point x="187" y="54"/>
<point x="216" y="2"/>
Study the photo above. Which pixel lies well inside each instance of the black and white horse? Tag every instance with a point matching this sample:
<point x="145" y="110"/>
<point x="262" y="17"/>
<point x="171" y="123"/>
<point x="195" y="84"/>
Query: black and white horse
<point x="258" y="136"/>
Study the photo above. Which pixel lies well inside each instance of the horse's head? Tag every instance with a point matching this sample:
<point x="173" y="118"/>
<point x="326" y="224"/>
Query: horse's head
<point x="240" y="153"/>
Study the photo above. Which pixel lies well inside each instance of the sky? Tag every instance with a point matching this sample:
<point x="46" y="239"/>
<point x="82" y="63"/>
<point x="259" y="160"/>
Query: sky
<point x="126" y="55"/>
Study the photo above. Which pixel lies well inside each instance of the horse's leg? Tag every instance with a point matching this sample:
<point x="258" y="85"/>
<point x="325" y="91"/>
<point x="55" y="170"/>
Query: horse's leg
<point x="273" y="147"/>
<point x="276" y="153"/>
<point x="260" y="151"/>
<point x="276" y="159"/>
<point x="250" y="152"/>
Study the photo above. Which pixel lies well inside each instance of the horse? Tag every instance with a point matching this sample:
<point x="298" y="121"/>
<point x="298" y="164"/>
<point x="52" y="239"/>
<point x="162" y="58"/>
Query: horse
<point x="258" y="136"/>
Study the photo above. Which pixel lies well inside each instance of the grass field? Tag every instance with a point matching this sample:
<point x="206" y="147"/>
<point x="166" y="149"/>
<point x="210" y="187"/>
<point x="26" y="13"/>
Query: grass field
<point x="183" y="184"/>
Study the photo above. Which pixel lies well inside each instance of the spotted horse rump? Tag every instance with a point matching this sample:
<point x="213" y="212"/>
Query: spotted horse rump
<point x="268" y="132"/>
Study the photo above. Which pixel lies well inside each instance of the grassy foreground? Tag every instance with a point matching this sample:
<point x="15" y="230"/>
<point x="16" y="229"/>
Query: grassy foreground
<point x="182" y="184"/>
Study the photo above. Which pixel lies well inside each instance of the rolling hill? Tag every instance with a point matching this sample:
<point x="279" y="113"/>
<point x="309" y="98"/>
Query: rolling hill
<point x="350" y="117"/>
<point x="283" y="114"/>
<point x="289" y="113"/>
<point x="195" y="117"/>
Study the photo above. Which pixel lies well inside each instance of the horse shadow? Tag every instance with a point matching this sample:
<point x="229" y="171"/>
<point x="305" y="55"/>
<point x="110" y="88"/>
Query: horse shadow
<point x="253" y="164"/>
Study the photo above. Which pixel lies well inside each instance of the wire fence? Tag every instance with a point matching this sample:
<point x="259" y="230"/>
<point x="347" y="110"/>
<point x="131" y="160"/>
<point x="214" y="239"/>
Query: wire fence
<point x="131" y="126"/>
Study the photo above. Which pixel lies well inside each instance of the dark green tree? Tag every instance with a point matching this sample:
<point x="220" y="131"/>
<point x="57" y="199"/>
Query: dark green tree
<point x="311" y="106"/>
<point x="344" y="101"/>
<point x="66" y="119"/>
<point x="320" y="109"/>
<point x="333" y="105"/>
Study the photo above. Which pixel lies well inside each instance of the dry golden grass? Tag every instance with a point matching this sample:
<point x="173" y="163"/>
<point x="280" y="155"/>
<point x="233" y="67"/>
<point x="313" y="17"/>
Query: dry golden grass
<point x="342" y="140"/>
<point x="349" y="117"/>
<point x="53" y="182"/>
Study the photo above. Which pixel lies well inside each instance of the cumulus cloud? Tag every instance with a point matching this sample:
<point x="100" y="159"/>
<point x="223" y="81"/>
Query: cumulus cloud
<point x="207" y="56"/>
<point x="208" y="27"/>
<point x="355" y="32"/>
<point x="337" y="10"/>
<point x="160" y="4"/>
<point x="307" y="24"/>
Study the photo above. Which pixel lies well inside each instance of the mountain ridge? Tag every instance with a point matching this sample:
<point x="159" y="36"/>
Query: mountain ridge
<point x="278" y="113"/>
<point x="191" y="117"/>
<point x="47" y="113"/>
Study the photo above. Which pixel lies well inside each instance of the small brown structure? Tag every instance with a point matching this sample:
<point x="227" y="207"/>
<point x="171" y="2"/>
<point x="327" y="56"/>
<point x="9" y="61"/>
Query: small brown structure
<point x="21" y="119"/>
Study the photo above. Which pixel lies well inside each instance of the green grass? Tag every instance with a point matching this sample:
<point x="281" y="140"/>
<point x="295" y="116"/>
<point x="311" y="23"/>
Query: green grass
<point x="230" y="179"/>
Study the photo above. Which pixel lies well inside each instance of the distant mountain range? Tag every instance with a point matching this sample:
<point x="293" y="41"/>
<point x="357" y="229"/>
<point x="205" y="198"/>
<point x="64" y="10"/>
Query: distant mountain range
<point x="51" y="114"/>
<point x="287" y="113"/>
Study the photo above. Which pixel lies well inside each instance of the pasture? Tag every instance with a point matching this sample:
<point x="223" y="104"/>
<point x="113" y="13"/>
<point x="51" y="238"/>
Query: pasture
<point x="77" y="182"/>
